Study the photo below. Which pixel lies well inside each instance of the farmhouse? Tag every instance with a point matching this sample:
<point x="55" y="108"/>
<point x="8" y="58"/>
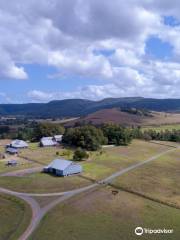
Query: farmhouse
<point x="12" y="151"/>
<point x="18" y="144"/>
<point x="61" y="167"/>
<point x="47" y="142"/>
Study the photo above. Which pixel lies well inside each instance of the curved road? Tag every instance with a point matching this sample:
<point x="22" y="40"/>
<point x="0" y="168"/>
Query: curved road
<point x="38" y="213"/>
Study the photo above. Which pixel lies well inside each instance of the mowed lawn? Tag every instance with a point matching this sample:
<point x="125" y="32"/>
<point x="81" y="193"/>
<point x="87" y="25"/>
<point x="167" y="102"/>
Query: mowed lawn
<point x="45" y="155"/>
<point x="43" y="183"/>
<point x="15" y="217"/>
<point x="101" y="215"/>
<point x="21" y="164"/>
<point x="112" y="159"/>
<point x="159" y="179"/>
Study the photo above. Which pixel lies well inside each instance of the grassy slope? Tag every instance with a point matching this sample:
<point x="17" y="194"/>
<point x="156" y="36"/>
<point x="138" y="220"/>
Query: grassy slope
<point x="15" y="216"/>
<point x="99" y="166"/>
<point x="113" y="159"/>
<point x="45" y="155"/>
<point x="88" y="217"/>
<point x="159" y="179"/>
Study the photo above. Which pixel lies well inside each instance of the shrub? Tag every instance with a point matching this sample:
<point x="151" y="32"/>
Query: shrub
<point x="80" y="155"/>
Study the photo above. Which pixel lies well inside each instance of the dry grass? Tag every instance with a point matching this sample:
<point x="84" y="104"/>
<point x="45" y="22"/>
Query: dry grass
<point x="44" y="155"/>
<point x="161" y="118"/>
<point x="112" y="159"/>
<point x="15" y="216"/>
<point x="43" y="183"/>
<point x="159" y="179"/>
<point x="101" y="215"/>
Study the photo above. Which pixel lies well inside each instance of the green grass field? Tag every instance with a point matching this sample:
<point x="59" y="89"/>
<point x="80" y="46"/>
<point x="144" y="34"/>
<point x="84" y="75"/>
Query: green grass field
<point x="101" y="215"/>
<point x="45" y="155"/>
<point x="100" y="165"/>
<point x="21" y="165"/>
<point x="42" y="183"/>
<point x="15" y="217"/>
<point x="159" y="179"/>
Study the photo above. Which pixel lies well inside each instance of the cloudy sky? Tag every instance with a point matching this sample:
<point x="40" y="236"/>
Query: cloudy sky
<point x="56" y="49"/>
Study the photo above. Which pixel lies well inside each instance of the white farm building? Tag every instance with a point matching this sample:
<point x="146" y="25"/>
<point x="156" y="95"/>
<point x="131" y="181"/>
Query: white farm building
<point x="51" y="141"/>
<point x="58" y="138"/>
<point x="47" y="142"/>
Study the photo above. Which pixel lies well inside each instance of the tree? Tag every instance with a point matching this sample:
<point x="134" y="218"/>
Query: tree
<point x="86" y="137"/>
<point x="47" y="129"/>
<point x="80" y="155"/>
<point x="117" y="134"/>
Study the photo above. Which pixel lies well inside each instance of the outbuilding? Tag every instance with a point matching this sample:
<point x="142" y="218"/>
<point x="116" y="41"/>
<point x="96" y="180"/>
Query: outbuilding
<point x="47" y="142"/>
<point x="62" y="167"/>
<point x="58" y="138"/>
<point x="11" y="163"/>
<point x="12" y="151"/>
<point x="18" y="144"/>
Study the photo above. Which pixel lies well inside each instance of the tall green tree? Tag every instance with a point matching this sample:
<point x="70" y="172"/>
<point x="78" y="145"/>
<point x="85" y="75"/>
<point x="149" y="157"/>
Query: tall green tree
<point x="86" y="137"/>
<point x="47" y="129"/>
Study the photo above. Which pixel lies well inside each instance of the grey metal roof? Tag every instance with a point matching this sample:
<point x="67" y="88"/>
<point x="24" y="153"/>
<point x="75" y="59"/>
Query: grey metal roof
<point x="60" y="164"/>
<point x="11" y="150"/>
<point x="12" y="161"/>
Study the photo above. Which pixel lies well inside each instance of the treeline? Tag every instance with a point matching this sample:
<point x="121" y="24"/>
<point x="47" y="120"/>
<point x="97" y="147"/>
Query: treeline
<point x="92" y="138"/>
<point x="165" y="135"/>
<point x="87" y="137"/>
<point x="32" y="131"/>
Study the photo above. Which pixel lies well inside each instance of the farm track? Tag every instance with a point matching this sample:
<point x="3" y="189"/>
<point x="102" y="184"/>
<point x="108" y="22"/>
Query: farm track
<point x="38" y="213"/>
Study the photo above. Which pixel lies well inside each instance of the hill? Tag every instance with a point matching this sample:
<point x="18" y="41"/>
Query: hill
<point x="117" y="116"/>
<point x="113" y="115"/>
<point x="82" y="107"/>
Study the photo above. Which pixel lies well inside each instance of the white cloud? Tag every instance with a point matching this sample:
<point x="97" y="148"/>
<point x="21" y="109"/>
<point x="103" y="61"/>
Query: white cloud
<point x="40" y="96"/>
<point x="65" y="35"/>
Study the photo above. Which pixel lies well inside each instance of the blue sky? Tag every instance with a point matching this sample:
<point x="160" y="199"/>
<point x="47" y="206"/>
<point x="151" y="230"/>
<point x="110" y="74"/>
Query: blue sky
<point x="95" y="50"/>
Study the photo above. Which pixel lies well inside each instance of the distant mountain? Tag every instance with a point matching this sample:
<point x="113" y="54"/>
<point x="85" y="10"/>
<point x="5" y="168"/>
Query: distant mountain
<point x="82" y="107"/>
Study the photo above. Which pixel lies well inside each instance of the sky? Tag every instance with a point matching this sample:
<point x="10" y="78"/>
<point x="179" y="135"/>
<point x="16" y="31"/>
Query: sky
<point x="92" y="49"/>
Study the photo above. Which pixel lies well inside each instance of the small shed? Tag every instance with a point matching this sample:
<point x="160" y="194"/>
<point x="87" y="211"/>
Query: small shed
<point x="62" y="167"/>
<point x="47" y="142"/>
<point x="18" y="144"/>
<point x="12" y="151"/>
<point x="11" y="163"/>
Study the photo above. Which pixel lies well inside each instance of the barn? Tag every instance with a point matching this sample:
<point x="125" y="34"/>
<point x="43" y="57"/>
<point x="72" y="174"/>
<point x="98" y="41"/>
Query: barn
<point x="62" y="167"/>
